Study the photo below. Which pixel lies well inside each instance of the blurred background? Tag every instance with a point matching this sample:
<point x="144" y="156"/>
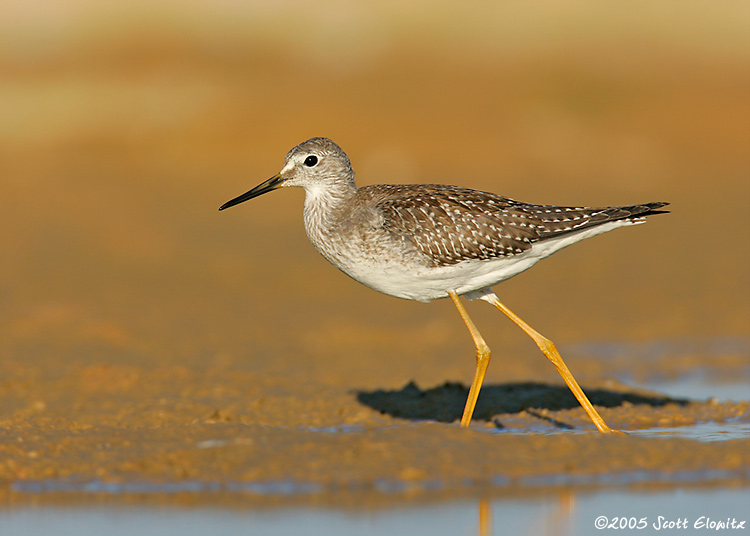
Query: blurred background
<point x="124" y="126"/>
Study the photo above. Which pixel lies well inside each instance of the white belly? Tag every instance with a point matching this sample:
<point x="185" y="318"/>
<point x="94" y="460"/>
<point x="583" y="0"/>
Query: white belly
<point x="414" y="281"/>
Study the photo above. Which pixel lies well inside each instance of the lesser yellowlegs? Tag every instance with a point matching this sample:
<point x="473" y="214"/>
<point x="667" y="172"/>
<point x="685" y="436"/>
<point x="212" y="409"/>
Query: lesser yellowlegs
<point x="426" y="241"/>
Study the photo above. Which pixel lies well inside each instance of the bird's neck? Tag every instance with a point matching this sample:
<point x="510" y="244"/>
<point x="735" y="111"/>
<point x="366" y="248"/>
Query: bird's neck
<point x="326" y="204"/>
<point x="326" y="209"/>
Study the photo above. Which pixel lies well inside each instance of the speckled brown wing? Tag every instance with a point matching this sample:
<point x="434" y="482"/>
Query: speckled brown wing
<point x="449" y="224"/>
<point x="550" y="221"/>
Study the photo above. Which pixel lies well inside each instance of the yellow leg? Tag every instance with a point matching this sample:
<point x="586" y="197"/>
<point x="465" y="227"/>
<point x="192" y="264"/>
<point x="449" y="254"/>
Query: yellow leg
<point x="483" y="359"/>
<point x="548" y="348"/>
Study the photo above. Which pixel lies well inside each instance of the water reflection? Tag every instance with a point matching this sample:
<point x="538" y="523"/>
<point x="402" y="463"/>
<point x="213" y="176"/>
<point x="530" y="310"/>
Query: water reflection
<point x="558" y="521"/>
<point x="485" y="517"/>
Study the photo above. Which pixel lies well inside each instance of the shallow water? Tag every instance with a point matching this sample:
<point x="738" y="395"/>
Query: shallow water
<point x="708" y="431"/>
<point x="567" y="512"/>
<point x="697" y="386"/>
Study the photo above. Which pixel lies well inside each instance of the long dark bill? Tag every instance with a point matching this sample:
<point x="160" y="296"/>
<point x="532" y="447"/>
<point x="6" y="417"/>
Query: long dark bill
<point x="271" y="184"/>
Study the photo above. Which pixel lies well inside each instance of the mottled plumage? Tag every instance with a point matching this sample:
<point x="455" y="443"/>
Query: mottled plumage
<point x="422" y="241"/>
<point x="450" y="224"/>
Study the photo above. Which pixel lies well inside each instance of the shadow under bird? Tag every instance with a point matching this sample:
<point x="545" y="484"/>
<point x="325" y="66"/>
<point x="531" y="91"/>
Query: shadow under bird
<point x="426" y="241"/>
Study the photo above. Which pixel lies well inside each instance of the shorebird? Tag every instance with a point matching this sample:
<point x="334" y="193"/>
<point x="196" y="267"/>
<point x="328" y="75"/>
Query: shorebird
<point x="426" y="241"/>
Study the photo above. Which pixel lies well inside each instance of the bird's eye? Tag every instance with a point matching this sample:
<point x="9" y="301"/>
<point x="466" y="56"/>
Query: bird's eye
<point x="311" y="160"/>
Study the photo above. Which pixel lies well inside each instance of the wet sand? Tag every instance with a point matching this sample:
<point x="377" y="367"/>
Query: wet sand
<point x="170" y="426"/>
<point x="149" y="338"/>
